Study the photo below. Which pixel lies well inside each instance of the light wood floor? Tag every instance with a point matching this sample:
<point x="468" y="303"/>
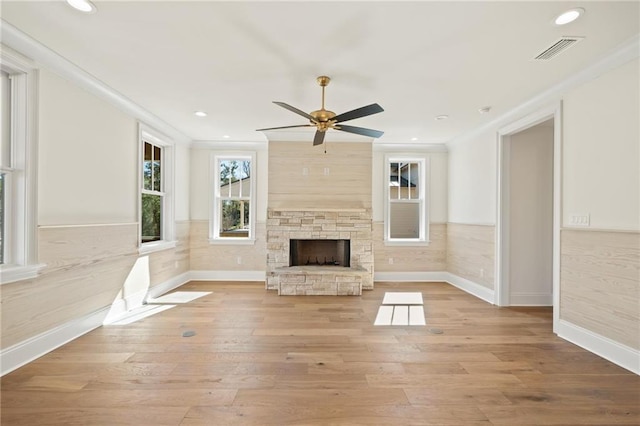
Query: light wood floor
<point x="261" y="359"/>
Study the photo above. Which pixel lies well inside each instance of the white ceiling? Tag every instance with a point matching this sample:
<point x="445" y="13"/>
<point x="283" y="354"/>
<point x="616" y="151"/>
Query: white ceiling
<point x="416" y="59"/>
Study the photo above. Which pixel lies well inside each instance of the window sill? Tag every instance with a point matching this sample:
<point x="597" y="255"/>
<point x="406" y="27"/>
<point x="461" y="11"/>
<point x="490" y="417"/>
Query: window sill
<point x="13" y="273"/>
<point x="407" y="243"/>
<point x="232" y="241"/>
<point x="155" y="246"/>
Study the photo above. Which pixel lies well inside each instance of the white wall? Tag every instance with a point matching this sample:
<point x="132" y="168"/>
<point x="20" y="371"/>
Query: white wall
<point x="601" y="148"/>
<point x="87" y="157"/>
<point x="531" y="216"/>
<point x="472" y="179"/>
<point x="182" y="178"/>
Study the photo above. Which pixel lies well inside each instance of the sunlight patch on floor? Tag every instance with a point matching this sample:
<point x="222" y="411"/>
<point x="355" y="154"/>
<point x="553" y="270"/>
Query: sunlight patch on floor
<point x="401" y="308"/>
<point x="179" y="297"/>
<point x="141" y="313"/>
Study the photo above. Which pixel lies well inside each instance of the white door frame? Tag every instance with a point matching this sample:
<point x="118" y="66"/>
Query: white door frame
<point x="502" y="229"/>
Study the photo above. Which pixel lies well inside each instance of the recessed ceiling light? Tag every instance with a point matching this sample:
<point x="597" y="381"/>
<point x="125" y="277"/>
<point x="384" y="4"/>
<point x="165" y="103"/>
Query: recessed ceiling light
<point x="414" y="139"/>
<point x="569" y="16"/>
<point x="484" y="110"/>
<point x="226" y="136"/>
<point x="200" y="113"/>
<point x="441" y="117"/>
<point x="82" y="5"/>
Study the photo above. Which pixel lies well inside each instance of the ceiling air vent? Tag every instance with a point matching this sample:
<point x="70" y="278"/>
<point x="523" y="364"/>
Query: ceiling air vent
<point x="557" y="47"/>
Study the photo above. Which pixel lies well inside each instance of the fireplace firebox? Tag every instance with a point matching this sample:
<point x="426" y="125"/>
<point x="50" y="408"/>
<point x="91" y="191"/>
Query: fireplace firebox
<point x="319" y="252"/>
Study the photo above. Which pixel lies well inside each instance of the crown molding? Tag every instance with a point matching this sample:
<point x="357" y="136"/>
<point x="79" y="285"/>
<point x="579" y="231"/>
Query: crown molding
<point x="25" y="45"/>
<point x="623" y="53"/>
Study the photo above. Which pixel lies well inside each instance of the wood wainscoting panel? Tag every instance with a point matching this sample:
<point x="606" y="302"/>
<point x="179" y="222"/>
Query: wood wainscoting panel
<point x="86" y="268"/>
<point x="432" y="257"/>
<point x="471" y="252"/>
<point x="600" y="283"/>
<point x="205" y="256"/>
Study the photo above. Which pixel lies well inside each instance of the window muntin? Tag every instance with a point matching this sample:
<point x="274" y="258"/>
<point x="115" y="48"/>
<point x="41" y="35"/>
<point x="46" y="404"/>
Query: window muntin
<point x="233" y="217"/>
<point x="405" y="213"/>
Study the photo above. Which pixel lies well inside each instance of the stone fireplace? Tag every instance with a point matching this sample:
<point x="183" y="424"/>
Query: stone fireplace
<point x="319" y="252"/>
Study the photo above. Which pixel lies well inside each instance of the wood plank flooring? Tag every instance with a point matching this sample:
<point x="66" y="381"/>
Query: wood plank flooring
<point x="261" y="359"/>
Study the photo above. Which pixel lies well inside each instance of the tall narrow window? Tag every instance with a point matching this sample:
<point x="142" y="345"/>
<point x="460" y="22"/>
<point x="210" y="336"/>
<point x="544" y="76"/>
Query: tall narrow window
<point x="18" y="198"/>
<point x="152" y="194"/>
<point x="233" y="216"/>
<point x="156" y="206"/>
<point x="406" y="204"/>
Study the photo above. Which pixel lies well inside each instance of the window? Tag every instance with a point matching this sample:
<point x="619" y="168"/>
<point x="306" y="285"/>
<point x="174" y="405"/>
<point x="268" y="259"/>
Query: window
<point x="233" y="210"/>
<point x="405" y="213"/>
<point x="17" y="170"/>
<point x="156" y="207"/>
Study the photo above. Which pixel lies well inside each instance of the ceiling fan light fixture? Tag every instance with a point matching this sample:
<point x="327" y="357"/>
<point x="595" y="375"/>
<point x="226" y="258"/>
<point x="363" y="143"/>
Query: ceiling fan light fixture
<point x="484" y="110"/>
<point x="569" y="16"/>
<point x="441" y="117"/>
<point x="84" y="6"/>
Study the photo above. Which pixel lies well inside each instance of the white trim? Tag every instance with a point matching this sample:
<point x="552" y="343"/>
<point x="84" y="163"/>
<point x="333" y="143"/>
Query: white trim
<point x="625" y="52"/>
<point x="155" y="246"/>
<point x="503" y="296"/>
<point x="427" y="276"/>
<point x="230" y="146"/>
<point x="622" y="355"/>
<point x="16" y="39"/>
<point x="471" y="287"/>
<point x="21" y="254"/>
<point x="167" y="286"/>
<point x="228" y="275"/>
<point x="215" y="197"/>
<point x="12" y="273"/>
<point x="463" y="284"/>
<point x="28" y="350"/>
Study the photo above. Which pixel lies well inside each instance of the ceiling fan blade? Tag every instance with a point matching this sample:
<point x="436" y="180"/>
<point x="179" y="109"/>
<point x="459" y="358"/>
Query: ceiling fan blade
<point x="294" y="109"/>
<point x="360" y="131"/>
<point x="318" y="138"/>
<point x="357" y="113"/>
<point x="285" y="127"/>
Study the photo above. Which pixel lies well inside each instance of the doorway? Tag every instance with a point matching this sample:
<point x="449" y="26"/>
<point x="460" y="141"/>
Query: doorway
<point x="528" y="231"/>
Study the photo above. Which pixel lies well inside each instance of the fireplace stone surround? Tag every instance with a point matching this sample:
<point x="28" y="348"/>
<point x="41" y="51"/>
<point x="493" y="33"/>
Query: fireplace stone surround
<point x="352" y="224"/>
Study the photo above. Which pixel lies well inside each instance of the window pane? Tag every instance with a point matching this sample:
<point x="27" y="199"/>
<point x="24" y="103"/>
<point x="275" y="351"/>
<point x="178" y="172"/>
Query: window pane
<point x="235" y="220"/>
<point x="5" y="125"/>
<point x="157" y="168"/>
<point x="229" y="178"/>
<point x="404" y="180"/>
<point x="2" y="221"/>
<point x="404" y="220"/>
<point x="146" y="166"/>
<point x="151" y="218"/>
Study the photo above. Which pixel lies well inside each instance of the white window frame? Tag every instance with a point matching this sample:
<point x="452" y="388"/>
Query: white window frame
<point x="150" y="135"/>
<point x="20" y="244"/>
<point x="216" y="198"/>
<point x="423" y="199"/>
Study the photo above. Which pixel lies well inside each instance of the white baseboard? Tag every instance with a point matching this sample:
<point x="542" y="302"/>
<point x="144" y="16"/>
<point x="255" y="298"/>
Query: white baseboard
<point x="167" y="286"/>
<point x="464" y="284"/>
<point x="228" y="275"/>
<point x="28" y="350"/>
<point x="619" y="354"/>
<point x="436" y="276"/>
<point x="531" y="299"/>
<point x="471" y="287"/>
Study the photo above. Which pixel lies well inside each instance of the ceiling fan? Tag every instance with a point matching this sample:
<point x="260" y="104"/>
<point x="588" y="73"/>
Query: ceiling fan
<point x="324" y="119"/>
